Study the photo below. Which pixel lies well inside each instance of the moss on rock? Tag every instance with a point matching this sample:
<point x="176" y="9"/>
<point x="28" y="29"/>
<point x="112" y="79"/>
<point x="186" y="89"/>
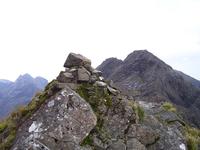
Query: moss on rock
<point x="97" y="97"/>
<point x="169" y="107"/>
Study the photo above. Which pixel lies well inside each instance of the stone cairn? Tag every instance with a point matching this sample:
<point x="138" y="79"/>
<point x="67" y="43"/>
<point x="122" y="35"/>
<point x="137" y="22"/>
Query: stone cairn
<point x="78" y="70"/>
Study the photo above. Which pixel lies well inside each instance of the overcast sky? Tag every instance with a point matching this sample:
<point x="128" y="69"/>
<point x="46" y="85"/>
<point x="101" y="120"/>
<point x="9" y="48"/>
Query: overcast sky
<point x="37" y="35"/>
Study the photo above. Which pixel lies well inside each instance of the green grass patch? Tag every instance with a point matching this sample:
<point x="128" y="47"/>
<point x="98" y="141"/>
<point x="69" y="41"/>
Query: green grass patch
<point x="3" y="126"/>
<point x="141" y="113"/>
<point x="138" y="110"/>
<point x="192" y="137"/>
<point x="169" y="107"/>
<point x="87" y="141"/>
<point x="96" y="97"/>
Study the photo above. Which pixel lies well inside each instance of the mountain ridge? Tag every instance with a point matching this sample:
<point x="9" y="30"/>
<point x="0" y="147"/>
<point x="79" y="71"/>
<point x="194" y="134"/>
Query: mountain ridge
<point x="19" y="92"/>
<point x="80" y="110"/>
<point x="153" y="79"/>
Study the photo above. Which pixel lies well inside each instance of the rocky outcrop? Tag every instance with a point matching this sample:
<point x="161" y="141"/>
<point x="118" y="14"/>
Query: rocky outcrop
<point x="84" y="112"/>
<point x="62" y="123"/>
<point x="77" y="60"/>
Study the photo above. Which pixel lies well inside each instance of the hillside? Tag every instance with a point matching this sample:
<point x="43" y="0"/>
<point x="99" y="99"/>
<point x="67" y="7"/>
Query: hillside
<point x="81" y="111"/>
<point x="20" y="92"/>
<point x="144" y="76"/>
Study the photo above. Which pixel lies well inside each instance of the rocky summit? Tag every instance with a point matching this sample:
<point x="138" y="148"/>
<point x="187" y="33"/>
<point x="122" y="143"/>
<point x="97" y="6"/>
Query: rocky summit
<point x="81" y="111"/>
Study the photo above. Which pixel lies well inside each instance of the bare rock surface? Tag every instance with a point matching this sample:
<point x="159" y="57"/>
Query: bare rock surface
<point x="61" y="124"/>
<point x="74" y="60"/>
<point x="83" y="74"/>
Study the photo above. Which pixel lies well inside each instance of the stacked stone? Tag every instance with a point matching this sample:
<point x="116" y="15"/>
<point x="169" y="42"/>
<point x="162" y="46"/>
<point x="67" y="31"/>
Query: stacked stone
<point x="78" y="70"/>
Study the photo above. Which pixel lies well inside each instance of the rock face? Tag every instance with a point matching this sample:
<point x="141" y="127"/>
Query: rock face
<point x="76" y="60"/>
<point x="146" y="77"/>
<point x="62" y="123"/>
<point x="109" y="66"/>
<point x="84" y="112"/>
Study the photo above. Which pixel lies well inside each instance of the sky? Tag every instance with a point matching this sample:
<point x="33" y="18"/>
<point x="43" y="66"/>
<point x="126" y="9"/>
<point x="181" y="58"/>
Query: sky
<point x="37" y="36"/>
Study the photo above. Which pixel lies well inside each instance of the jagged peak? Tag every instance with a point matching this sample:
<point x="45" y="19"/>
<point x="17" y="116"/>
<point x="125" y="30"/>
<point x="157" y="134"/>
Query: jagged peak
<point x="112" y="59"/>
<point x="141" y="54"/>
<point x="145" y="57"/>
<point x="24" y="77"/>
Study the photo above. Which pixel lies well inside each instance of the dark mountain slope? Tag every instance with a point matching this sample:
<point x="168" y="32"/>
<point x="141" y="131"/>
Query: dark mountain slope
<point x="20" y="92"/>
<point x="144" y="76"/>
<point x="109" y="66"/>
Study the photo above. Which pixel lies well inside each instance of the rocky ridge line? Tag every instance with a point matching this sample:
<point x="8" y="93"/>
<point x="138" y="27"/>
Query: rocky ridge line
<point x="84" y="112"/>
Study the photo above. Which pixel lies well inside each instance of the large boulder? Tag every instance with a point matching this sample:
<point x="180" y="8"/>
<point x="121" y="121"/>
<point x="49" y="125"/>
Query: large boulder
<point x="134" y="144"/>
<point x="83" y="75"/>
<point x="65" y="77"/>
<point x="118" y="145"/>
<point x="62" y="123"/>
<point x="76" y="60"/>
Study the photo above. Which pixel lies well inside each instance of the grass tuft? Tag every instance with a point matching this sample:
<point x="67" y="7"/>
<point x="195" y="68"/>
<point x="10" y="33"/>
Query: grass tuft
<point x="169" y="107"/>
<point x="192" y="137"/>
<point x="96" y="97"/>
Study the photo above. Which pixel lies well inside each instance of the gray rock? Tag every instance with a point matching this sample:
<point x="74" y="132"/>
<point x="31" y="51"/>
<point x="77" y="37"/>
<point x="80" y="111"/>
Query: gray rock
<point x="168" y="116"/>
<point x="98" y="144"/>
<point x="111" y="90"/>
<point x="93" y="78"/>
<point x="65" y="77"/>
<point x="101" y="78"/>
<point x="118" y="145"/>
<point x="67" y="121"/>
<point x="83" y="75"/>
<point x="146" y="135"/>
<point x="134" y="144"/>
<point x="73" y="86"/>
<point x="97" y="72"/>
<point x="170" y="136"/>
<point x="67" y="69"/>
<point x="119" y="118"/>
<point x="89" y="68"/>
<point x="111" y="83"/>
<point x="76" y="60"/>
<point x="72" y="70"/>
<point x="100" y="84"/>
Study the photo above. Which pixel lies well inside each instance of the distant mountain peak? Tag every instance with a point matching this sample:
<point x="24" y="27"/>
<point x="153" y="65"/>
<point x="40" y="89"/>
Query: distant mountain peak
<point x="20" y="92"/>
<point x="5" y="81"/>
<point x="24" y="77"/>
<point x="141" y="53"/>
<point x="145" y="73"/>
<point x="145" y="57"/>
